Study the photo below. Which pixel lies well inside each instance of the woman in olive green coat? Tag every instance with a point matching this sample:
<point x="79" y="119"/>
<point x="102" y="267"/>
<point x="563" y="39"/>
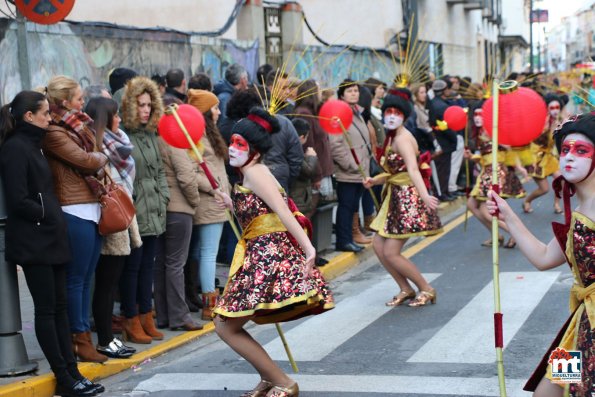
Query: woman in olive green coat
<point x="141" y="110"/>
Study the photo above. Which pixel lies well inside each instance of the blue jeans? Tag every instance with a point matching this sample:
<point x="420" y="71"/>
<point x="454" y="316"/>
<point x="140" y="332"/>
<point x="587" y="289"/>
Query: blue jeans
<point x="348" y="196"/>
<point x="203" y="248"/>
<point x="136" y="282"/>
<point x="85" y="246"/>
<point x="228" y="243"/>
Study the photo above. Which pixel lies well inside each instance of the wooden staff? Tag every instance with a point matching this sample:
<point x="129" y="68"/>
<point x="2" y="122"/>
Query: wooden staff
<point x="467" y="174"/>
<point x="359" y="165"/>
<point x="172" y="109"/>
<point x="498" y="330"/>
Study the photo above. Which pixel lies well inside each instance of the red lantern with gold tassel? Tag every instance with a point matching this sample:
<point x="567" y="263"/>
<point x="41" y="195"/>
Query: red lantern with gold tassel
<point x="331" y="112"/>
<point x="455" y="117"/>
<point x="521" y="116"/>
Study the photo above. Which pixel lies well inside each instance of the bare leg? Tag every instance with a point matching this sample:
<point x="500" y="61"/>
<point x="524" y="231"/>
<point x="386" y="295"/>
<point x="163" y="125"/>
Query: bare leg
<point x="542" y="188"/>
<point x="378" y="243"/>
<point x="231" y="331"/>
<point x="402" y="265"/>
<point x="548" y="389"/>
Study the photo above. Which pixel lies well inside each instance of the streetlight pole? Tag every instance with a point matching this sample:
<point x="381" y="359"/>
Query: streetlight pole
<point x="531" y="35"/>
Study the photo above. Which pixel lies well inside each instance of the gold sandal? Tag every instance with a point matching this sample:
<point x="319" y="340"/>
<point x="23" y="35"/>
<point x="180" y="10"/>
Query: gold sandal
<point x="261" y="389"/>
<point x="424" y="298"/>
<point x="280" y="391"/>
<point x="400" y="298"/>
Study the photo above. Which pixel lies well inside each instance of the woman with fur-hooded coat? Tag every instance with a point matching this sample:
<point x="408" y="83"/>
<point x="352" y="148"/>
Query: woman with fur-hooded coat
<point x="141" y="110"/>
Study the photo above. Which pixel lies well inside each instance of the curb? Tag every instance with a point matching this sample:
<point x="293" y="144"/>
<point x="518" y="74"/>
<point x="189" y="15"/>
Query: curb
<point x="44" y="385"/>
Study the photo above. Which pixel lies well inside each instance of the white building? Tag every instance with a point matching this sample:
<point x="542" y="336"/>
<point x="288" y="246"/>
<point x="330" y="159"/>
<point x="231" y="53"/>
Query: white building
<point x="463" y="37"/>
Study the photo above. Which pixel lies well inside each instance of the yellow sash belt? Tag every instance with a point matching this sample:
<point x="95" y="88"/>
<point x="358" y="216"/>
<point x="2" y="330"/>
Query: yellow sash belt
<point x="586" y="295"/>
<point x="262" y="224"/>
<point x="400" y="178"/>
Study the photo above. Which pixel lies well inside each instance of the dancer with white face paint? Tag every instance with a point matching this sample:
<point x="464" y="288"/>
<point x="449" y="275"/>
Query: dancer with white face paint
<point x="509" y="185"/>
<point x="273" y="251"/>
<point x="545" y="162"/>
<point x="407" y="210"/>
<point x="574" y="242"/>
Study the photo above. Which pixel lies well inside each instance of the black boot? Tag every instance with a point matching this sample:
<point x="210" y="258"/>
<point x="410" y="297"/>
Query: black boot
<point x="77" y="389"/>
<point x="190" y="277"/>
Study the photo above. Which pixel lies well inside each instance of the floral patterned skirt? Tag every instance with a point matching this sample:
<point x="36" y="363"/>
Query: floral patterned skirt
<point x="484" y="182"/>
<point x="403" y="214"/>
<point x="271" y="286"/>
<point x="513" y="188"/>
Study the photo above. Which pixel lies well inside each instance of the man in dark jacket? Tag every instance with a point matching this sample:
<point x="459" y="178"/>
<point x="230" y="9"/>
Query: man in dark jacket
<point x="446" y="138"/>
<point x="285" y="158"/>
<point x="176" y="84"/>
<point x="236" y="78"/>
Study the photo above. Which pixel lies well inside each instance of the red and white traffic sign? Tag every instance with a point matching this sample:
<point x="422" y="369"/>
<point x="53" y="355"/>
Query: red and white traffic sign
<point x="45" y="12"/>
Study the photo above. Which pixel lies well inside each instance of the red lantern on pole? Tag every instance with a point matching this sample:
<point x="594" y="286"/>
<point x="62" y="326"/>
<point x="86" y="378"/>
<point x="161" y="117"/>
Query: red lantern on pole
<point x="521" y="115"/>
<point x="456" y="118"/>
<point x="331" y="112"/>
<point x="170" y="130"/>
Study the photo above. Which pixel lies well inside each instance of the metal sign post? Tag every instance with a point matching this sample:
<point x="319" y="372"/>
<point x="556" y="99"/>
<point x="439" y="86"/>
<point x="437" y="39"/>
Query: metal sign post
<point x="13" y="355"/>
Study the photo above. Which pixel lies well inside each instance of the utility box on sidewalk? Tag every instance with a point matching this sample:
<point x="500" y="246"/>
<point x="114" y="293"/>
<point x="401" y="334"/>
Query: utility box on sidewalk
<point x="322" y="224"/>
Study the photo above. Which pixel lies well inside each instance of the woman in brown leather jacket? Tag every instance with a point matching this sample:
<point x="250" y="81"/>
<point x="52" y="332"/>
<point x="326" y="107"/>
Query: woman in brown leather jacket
<point x="71" y="148"/>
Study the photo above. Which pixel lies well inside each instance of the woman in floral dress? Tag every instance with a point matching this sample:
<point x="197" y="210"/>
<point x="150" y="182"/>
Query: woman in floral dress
<point x="407" y="209"/>
<point x="545" y="161"/>
<point x="574" y="243"/>
<point x="509" y="186"/>
<point x="272" y="276"/>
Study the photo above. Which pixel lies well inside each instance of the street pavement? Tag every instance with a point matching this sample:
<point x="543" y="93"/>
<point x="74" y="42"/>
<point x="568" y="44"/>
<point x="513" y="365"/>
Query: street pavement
<point x="363" y="348"/>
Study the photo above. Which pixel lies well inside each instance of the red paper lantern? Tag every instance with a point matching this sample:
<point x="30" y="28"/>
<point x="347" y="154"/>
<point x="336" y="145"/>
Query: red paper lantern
<point x="456" y="118"/>
<point x="521" y="115"/>
<point x="170" y="130"/>
<point x="331" y="112"/>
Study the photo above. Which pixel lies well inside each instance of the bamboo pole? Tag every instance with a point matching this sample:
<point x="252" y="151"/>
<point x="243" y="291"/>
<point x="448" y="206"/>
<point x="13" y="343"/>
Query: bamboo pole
<point x="172" y="109"/>
<point x="467" y="172"/>
<point x="498" y="331"/>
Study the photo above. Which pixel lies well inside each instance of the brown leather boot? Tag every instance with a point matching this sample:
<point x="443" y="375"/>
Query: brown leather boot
<point x="132" y="331"/>
<point x="84" y="349"/>
<point x="368" y="219"/>
<point x="358" y="237"/>
<point x="148" y="324"/>
<point x="209" y="300"/>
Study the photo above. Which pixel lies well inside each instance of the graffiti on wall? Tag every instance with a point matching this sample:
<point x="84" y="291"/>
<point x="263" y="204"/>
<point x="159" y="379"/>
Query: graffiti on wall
<point x="88" y="52"/>
<point x="332" y="65"/>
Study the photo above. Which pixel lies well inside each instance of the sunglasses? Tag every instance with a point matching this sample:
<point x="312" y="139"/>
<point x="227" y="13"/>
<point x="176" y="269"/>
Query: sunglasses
<point x="554" y="107"/>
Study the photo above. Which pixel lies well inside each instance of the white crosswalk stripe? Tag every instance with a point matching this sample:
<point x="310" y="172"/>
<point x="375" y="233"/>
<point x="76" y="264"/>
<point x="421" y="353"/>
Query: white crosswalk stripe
<point x="351" y="315"/>
<point x="470" y="334"/>
<point x="417" y="385"/>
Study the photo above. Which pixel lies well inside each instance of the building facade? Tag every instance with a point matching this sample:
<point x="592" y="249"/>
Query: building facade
<point x="327" y="40"/>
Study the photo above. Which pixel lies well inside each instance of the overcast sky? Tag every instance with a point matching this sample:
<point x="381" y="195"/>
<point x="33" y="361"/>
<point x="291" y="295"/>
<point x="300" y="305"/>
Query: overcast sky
<point x="559" y="8"/>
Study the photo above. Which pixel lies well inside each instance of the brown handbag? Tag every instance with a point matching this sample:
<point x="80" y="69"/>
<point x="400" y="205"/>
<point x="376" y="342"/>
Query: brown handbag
<point x="117" y="208"/>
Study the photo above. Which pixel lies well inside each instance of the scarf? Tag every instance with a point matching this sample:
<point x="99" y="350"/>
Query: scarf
<point x="78" y="123"/>
<point x="118" y="149"/>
